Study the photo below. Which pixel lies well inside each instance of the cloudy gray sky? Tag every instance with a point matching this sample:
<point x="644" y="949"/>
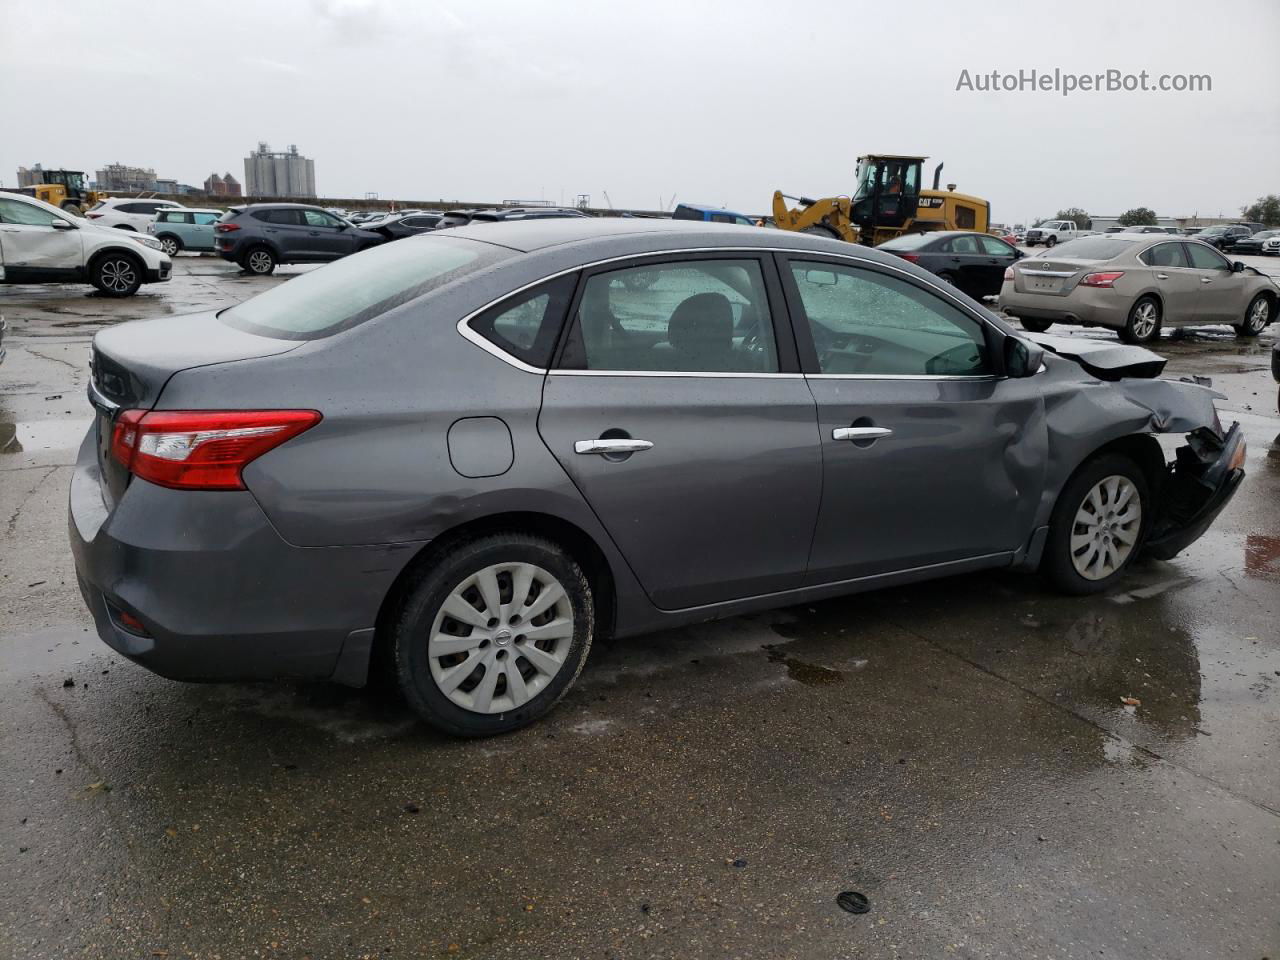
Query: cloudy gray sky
<point x="718" y="102"/>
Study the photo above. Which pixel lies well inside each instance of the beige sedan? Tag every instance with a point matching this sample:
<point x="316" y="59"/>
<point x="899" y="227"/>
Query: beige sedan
<point x="1137" y="283"/>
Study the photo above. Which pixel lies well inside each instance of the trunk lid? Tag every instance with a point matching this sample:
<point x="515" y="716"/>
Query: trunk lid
<point x="131" y="363"/>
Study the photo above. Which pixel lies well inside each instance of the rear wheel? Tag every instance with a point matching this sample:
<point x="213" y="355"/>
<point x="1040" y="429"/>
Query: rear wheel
<point x="117" y="274"/>
<point x="1256" y="317"/>
<point x="259" y="261"/>
<point x="1143" y="323"/>
<point x="821" y="231"/>
<point x="1098" y="525"/>
<point x="170" y="243"/>
<point x="1035" y="326"/>
<point x="73" y="208"/>
<point x="489" y="638"/>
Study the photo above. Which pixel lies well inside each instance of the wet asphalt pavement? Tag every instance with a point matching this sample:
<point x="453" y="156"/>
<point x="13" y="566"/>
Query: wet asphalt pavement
<point x="957" y="751"/>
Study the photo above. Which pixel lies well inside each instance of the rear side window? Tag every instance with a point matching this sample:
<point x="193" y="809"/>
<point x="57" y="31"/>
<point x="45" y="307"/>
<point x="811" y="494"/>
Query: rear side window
<point x="696" y="316"/>
<point x="527" y="326"/>
<point x="1164" y="255"/>
<point x="354" y="289"/>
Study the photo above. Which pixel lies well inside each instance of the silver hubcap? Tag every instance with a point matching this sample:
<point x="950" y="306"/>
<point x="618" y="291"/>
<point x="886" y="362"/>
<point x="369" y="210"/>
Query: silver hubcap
<point x="1258" y="315"/>
<point x="259" y="261"/>
<point x="1106" y="528"/>
<point x="170" y="246"/>
<point x="500" y="637"/>
<point x="1144" y="320"/>
<point x="118" y="275"/>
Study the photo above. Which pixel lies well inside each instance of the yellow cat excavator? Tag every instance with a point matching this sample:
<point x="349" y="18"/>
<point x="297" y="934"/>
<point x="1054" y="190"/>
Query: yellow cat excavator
<point x="886" y="203"/>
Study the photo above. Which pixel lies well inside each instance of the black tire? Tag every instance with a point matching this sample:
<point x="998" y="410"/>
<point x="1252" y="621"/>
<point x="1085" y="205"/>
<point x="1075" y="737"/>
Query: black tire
<point x="423" y="600"/>
<point x="73" y="208"/>
<point x="117" y="274"/>
<point x="1256" y="316"/>
<point x="1035" y="326"/>
<point x="259" y="261"/>
<point x="1057" y="564"/>
<point x="1051" y="242"/>
<point x="1030" y="243"/>
<point x="947" y="277"/>
<point x="1138" y="327"/>
<point x="172" y="244"/>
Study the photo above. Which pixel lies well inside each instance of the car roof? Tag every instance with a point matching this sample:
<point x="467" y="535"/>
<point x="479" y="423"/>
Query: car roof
<point x="637" y="236"/>
<point x="278" y="206"/>
<point x="200" y="210"/>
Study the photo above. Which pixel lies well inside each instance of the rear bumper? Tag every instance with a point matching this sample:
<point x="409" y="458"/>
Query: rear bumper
<point x="1082" y="305"/>
<point x="219" y="594"/>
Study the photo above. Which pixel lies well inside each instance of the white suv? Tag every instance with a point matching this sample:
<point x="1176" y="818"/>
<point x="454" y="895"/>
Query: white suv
<point x="126" y="213"/>
<point x="41" y="244"/>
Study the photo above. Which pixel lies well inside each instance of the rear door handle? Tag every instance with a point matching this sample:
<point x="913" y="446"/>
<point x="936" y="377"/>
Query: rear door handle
<point x="1206" y="279"/>
<point x="618" y="445"/>
<point x="860" y="433"/>
<point x="1162" y="276"/>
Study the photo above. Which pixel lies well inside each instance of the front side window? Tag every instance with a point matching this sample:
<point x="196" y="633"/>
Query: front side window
<point x="15" y="211"/>
<point x="995" y="247"/>
<point x="695" y="316"/>
<point x="318" y="218"/>
<point x="205" y="219"/>
<point x="1204" y="257"/>
<point x="527" y="326"/>
<point x="869" y="324"/>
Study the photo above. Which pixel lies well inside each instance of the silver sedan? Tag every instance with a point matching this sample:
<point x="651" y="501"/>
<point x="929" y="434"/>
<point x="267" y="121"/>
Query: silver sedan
<point x="1137" y="283"/>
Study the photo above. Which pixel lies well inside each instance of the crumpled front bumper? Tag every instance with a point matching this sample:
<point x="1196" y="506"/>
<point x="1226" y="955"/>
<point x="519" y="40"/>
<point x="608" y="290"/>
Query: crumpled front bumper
<point x="1201" y="481"/>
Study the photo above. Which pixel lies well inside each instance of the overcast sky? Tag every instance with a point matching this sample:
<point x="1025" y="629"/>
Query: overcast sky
<point x="716" y="102"/>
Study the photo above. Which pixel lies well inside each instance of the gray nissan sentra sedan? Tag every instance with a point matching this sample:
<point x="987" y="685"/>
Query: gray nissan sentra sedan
<point x="465" y="455"/>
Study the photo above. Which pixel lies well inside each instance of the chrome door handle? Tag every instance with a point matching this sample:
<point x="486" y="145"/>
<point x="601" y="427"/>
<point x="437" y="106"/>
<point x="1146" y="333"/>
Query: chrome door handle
<point x="860" y="433"/>
<point x="618" y="445"/>
<point x="1162" y="276"/>
<point x="1206" y="279"/>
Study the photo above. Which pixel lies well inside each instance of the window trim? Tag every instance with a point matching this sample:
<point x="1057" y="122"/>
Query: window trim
<point x="777" y="274"/>
<point x="809" y="355"/>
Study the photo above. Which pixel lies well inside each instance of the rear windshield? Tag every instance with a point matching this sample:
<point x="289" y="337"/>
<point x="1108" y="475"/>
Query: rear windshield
<point x="910" y="241"/>
<point x="349" y="291"/>
<point x="1091" y="248"/>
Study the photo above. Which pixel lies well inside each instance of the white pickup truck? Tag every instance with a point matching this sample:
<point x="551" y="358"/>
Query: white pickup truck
<point x="1053" y="232"/>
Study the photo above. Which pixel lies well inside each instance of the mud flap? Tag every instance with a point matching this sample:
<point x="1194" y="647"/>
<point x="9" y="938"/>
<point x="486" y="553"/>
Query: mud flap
<point x="1201" y="481"/>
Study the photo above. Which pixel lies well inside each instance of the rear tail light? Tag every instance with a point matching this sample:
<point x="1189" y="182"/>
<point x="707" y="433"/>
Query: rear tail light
<point x="225" y="227"/>
<point x="201" y="450"/>
<point x="911" y="257"/>
<point x="1101" y="279"/>
<point x="1008" y="273"/>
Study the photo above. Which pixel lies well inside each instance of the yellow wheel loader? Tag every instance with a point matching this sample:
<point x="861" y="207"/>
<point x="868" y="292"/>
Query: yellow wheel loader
<point x="886" y="203"/>
<point x="65" y="189"/>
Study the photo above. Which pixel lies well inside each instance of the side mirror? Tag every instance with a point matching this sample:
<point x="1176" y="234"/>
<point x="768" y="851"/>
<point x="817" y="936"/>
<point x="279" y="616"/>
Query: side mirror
<point x="1019" y="254"/>
<point x="1237" y="266"/>
<point x="62" y="225"/>
<point x="1022" y="358"/>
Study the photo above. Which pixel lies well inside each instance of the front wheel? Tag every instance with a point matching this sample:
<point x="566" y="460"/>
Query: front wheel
<point x="1051" y="242"/>
<point x="1143" y="323"/>
<point x="1256" y="317"/>
<point x="1097" y="526"/>
<point x="1035" y="326"/>
<point x="260" y="261"/>
<point x="117" y="275"/>
<point x="491" y="636"/>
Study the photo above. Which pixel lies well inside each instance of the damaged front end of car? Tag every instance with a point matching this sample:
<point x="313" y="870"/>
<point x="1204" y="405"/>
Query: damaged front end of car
<point x="1129" y="401"/>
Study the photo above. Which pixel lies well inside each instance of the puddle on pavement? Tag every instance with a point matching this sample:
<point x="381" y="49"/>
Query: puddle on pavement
<point x="810" y="674"/>
<point x="32" y="435"/>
